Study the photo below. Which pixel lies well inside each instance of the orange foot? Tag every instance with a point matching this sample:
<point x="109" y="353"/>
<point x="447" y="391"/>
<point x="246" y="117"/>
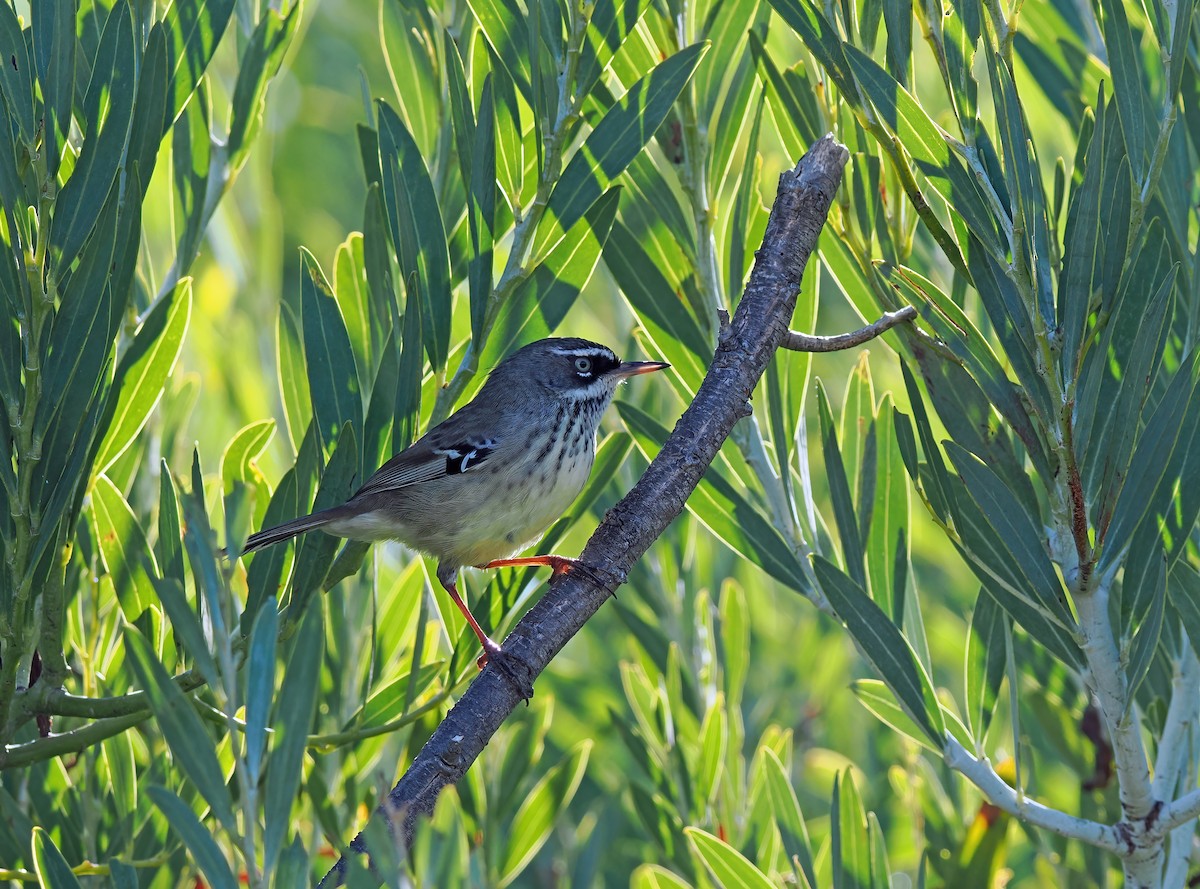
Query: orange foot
<point x="558" y="566"/>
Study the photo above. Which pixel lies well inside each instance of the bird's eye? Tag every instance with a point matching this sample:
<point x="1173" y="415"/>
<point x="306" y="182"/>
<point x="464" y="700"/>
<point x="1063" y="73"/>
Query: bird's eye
<point x="583" y="365"/>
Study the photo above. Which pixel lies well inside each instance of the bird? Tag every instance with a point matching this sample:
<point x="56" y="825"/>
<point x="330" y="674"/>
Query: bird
<point x="486" y="482"/>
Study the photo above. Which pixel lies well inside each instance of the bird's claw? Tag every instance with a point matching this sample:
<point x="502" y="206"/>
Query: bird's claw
<point x="509" y="666"/>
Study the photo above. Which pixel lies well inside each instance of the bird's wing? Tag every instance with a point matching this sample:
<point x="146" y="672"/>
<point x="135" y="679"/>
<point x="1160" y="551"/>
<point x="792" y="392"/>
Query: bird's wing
<point x="446" y="450"/>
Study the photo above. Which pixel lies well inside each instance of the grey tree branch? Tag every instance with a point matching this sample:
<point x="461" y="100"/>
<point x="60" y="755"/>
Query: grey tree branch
<point x="759" y="327"/>
<point x="805" y="342"/>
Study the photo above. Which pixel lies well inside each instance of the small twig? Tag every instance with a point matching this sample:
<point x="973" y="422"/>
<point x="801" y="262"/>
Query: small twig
<point x="806" y="342"/>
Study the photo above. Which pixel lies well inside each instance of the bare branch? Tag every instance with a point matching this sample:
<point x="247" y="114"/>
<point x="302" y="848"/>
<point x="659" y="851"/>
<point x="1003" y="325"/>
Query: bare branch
<point x="1000" y="794"/>
<point x="806" y="342"/>
<point x="628" y="530"/>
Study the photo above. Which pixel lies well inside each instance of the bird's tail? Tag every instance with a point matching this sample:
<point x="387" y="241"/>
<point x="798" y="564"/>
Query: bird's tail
<point x="288" y="530"/>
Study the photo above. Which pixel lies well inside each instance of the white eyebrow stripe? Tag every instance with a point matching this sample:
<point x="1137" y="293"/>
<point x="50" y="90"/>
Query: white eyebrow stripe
<point x="585" y="352"/>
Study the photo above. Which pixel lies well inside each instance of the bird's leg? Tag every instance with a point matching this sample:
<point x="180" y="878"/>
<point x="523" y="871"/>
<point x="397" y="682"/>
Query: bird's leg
<point x="489" y="647"/>
<point x="492" y="652"/>
<point x="558" y="566"/>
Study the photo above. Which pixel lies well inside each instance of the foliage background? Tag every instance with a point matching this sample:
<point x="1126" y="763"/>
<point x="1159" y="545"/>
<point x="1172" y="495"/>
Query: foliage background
<point x="710" y="696"/>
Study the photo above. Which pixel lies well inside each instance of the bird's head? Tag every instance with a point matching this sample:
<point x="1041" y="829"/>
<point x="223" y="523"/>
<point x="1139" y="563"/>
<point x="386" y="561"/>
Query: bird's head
<point x="573" y="369"/>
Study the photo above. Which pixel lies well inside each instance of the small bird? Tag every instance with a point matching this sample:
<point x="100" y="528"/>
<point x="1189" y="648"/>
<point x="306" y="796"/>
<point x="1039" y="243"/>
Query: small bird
<point x="487" y="481"/>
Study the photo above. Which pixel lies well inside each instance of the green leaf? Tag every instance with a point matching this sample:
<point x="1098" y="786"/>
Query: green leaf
<point x="1081" y="260"/>
<point x="927" y="145"/>
<point x="185" y="623"/>
<point x="987" y="657"/>
<point x="193" y="166"/>
<point x="1133" y="105"/>
<point x="875" y="695"/>
<point x="260" y="62"/>
<point x="956" y="329"/>
<point x="887" y="543"/>
<point x="823" y="41"/>
<point x="1184" y="592"/>
<point x="717" y="77"/>
<point x="1016" y="541"/>
<point x="1010" y="320"/>
<point x="735" y="639"/>
<point x="614" y="142"/>
<point x="54" y="58"/>
<point x="247" y="444"/>
<point x="192" y="749"/>
<point x="350" y="292"/>
<point x="51" y="868"/>
<point x="887" y="650"/>
<point x="293" y="375"/>
<point x="898" y="19"/>
<point x="610" y="26"/>
<point x="506" y="31"/>
<point x="293" y="721"/>
<point x="462" y="112"/>
<point x="150" y="117"/>
<point x="729" y="867"/>
<point x="79" y="204"/>
<point x="122" y="773"/>
<point x="393" y="700"/>
<point x="168" y="546"/>
<point x="405" y="423"/>
<point x="791" y="99"/>
<point x="123" y="548"/>
<point x="652" y="876"/>
<point x="663" y="314"/>
<point x="328" y="355"/>
<point x="260" y="685"/>
<point x="541" y="303"/>
<point x="785" y="808"/>
<point x="1150" y="484"/>
<point x="1120" y="377"/>
<point x="714" y="739"/>
<point x="481" y="209"/>
<point x="16" y="77"/>
<point x="193" y="32"/>
<point x="851" y="855"/>
<point x="196" y="837"/>
<point x="839" y="491"/>
<point x="144" y="369"/>
<point x="724" y="510"/>
<point x="81" y="339"/>
<point x="531" y="826"/>
<point x="418" y="233"/>
<point x="1145" y="641"/>
<point x="315" y="552"/>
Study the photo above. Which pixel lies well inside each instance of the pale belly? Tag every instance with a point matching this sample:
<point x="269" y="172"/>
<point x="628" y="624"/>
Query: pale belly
<point x="525" y="513"/>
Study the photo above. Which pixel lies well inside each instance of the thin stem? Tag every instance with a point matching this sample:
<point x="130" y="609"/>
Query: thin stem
<point x="15" y="633"/>
<point x="88" y="868"/>
<point x="57" y="702"/>
<point x="979" y="772"/>
<point x="325" y="743"/>
<point x="75" y="741"/>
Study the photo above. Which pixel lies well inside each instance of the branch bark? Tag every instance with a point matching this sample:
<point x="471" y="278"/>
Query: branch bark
<point x="744" y="348"/>
<point x="806" y="342"/>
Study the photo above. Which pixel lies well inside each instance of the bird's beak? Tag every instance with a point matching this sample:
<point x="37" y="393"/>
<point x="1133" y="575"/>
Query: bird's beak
<point x="633" y="368"/>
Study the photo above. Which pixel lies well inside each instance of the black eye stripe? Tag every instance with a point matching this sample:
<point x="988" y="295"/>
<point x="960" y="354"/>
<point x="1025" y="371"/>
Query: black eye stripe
<point x="598" y="363"/>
